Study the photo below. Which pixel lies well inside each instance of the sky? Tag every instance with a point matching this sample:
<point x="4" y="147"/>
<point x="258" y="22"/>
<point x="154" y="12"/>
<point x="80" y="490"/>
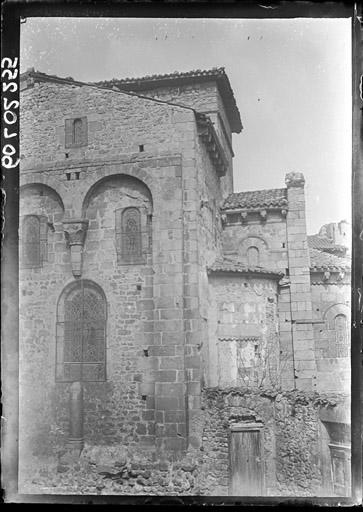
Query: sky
<point x="291" y="79"/>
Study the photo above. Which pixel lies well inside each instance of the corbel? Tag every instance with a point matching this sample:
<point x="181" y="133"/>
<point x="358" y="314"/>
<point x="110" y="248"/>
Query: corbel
<point x="244" y="216"/>
<point x="75" y="234"/>
<point x="263" y="214"/>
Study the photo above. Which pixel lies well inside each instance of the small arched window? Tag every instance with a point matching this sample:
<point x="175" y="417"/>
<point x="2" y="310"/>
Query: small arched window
<point x="76" y="132"/>
<point x="34" y="241"/>
<point x="132" y="242"/>
<point x="341" y="335"/>
<point x="131" y="233"/>
<point x="253" y="256"/>
<point x="81" y="335"/>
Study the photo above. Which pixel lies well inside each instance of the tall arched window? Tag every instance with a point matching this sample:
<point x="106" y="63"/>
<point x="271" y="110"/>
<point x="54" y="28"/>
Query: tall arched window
<point x="132" y="242"/>
<point x="34" y="241"/>
<point x="341" y="335"/>
<point x="77" y="131"/>
<point x="253" y="256"/>
<point x="131" y="231"/>
<point x="81" y="334"/>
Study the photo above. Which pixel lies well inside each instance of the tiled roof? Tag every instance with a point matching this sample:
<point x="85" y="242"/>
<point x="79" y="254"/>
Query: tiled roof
<point x="183" y="78"/>
<point x="275" y="197"/>
<point x="322" y="243"/>
<point x="320" y="260"/>
<point x="227" y="265"/>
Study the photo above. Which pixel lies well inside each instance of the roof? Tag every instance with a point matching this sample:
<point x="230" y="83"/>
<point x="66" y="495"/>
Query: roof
<point x="323" y="243"/>
<point x="321" y="261"/>
<point x="275" y="197"/>
<point x="218" y="75"/>
<point x="228" y="265"/>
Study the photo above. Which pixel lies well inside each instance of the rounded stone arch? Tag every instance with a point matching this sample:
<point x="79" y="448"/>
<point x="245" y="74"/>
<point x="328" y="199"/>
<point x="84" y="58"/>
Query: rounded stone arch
<point x="116" y="177"/>
<point x="81" y="334"/>
<point x="333" y="311"/>
<point x="40" y="190"/>
<point x="119" y="209"/>
<point x="254" y="243"/>
<point x="73" y="286"/>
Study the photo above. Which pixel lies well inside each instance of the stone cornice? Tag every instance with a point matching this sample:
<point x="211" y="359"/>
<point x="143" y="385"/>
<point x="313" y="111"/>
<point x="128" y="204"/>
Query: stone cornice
<point x="244" y="214"/>
<point x="226" y="266"/>
<point x="209" y="136"/>
<point x="162" y="158"/>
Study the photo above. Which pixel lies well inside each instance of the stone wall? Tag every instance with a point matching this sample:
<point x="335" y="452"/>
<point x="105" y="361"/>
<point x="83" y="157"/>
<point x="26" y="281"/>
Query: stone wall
<point x="332" y="348"/>
<point x="118" y="124"/>
<point x="291" y="432"/>
<point x="243" y="332"/>
<point x="293" y="440"/>
<point x="203" y="98"/>
<point x="301" y="330"/>
<point x="144" y="396"/>
<point x="269" y="237"/>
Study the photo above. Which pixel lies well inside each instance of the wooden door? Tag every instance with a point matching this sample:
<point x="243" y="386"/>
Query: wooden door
<point x="246" y="463"/>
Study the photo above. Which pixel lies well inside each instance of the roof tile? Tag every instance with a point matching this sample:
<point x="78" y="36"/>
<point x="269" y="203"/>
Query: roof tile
<point x="229" y="265"/>
<point x="276" y="197"/>
<point x="149" y="82"/>
<point x="322" y="243"/>
<point x="320" y="260"/>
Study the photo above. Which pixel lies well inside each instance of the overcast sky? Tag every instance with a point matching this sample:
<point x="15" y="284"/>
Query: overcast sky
<point x="291" y="80"/>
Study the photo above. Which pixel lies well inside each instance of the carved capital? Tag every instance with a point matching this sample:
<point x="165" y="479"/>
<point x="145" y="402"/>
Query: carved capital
<point x="294" y="179"/>
<point x="75" y="234"/>
<point x="75" y="231"/>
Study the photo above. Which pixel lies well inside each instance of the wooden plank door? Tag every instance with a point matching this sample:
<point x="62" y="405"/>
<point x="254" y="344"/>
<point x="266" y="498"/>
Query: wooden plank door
<point x="246" y="463"/>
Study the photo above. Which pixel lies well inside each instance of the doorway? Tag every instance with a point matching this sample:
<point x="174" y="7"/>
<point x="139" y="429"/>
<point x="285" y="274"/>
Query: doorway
<point x="246" y="460"/>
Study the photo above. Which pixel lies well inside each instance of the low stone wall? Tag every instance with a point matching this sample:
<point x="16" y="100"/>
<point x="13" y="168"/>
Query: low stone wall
<point x="291" y="457"/>
<point x="291" y="437"/>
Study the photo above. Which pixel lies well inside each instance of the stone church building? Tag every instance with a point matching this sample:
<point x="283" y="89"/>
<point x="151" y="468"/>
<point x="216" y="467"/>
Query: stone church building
<point x="188" y="338"/>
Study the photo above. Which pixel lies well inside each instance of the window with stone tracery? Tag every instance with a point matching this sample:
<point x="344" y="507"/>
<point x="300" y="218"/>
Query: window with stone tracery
<point x="81" y="335"/>
<point x="341" y="335"/>
<point x="132" y="242"/>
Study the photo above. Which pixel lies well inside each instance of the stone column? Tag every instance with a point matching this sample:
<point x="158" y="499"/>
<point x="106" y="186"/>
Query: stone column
<point x="76" y="441"/>
<point x="300" y="292"/>
<point x="75" y="234"/>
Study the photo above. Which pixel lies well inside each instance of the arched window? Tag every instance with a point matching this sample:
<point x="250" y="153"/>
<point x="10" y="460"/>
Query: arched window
<point x="77" y="131"/>
<point x="131" y="233"/>
<point x="341" y="335"/>
<point x="34" y="241"/>
<point x="253" y="256"/>
<point x="81" y="334"/>
<point x="132" y="242"/>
